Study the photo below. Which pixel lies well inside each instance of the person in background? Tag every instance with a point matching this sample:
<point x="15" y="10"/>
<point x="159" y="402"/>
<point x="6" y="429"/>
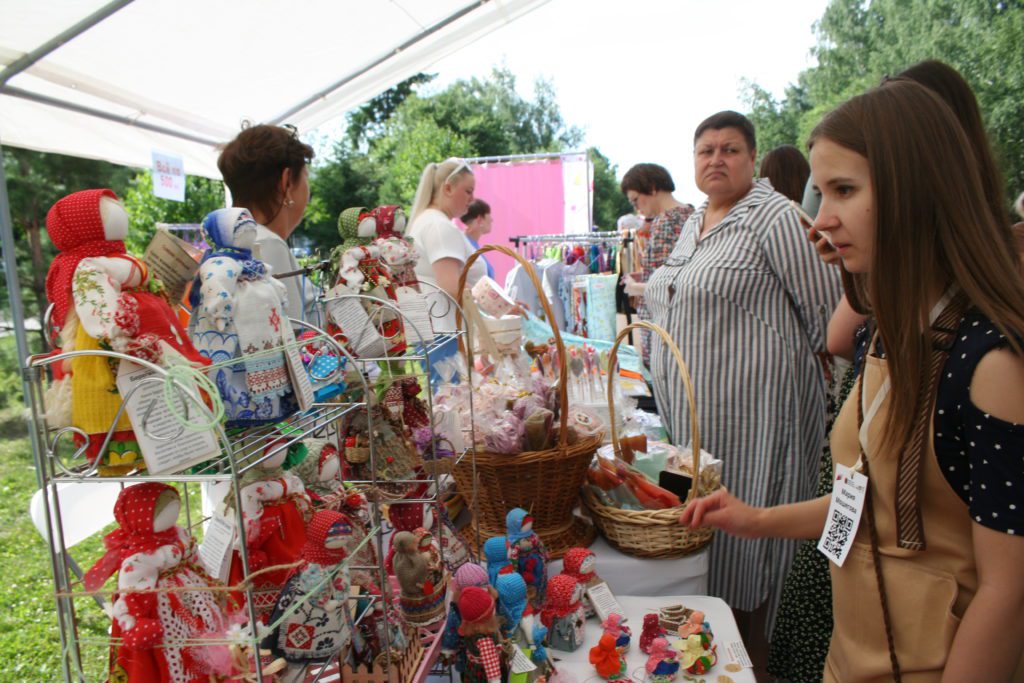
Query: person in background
<point x="787" y="170"/>
<point x="746" y="298"/>
<point x="936" y="421"/>
<point x="266" y="168"/>
<point x="649" y="188"/>
<point x="478" y="220"/>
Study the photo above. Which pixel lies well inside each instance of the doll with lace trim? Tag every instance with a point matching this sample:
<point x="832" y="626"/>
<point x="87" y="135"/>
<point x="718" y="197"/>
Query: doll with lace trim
<point x="275" y="509"/>
<point x="103" y="298"/>
<point x="312" y="608"/>
<point x="238" y="312"/>
<point x="157" y="621"/>
<point x="359" y="269"/>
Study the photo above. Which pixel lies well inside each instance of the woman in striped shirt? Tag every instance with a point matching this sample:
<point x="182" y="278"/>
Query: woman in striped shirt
<point x="747" y="300"/>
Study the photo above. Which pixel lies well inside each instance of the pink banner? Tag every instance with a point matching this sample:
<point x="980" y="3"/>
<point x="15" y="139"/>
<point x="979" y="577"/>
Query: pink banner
<point x="526" y="198"/>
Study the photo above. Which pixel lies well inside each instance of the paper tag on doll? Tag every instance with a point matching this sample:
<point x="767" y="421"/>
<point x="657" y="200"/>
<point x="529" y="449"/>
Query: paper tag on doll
<point x="350" y="316"/>
<point x="848" y="491"/>
<point x="604" y="602"/>
<point x="215" y="550"/>
<point x="166" y="445"/>
<point x="518" y="661"/>
<point x="417" y="315"/>
<point x="300" y="378"/>
<point x="173" y="261"/>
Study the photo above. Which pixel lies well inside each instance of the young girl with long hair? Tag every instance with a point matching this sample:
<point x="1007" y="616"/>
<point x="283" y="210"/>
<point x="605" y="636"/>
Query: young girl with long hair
<point x="931" y="589"/>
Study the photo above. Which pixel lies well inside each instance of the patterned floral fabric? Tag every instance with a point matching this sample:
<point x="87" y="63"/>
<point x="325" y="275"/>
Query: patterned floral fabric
<point x="665" y="229"/>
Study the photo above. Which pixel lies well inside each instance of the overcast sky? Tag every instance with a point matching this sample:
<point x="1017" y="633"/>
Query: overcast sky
<point x="639" y="75"/>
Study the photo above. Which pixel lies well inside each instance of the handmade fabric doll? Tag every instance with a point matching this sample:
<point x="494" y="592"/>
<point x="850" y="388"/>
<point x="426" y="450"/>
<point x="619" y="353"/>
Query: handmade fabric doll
<point x="320" y="473"/>
<point x="158" y="619"/>
<point x="512" y="602"/>
<point x="479" y="630"/>
<point x="312" y="616"/>
<point x="360" y="270"/>
<point x="104" y="298"/>
<point x="563" y="614"/>
<point x="651" y="629"/>
<point x="427" y="545"/>
<point x="696" y="654"/>
<point x="527" y="552"/>
<point x="607" y="660"/>
<point x="696" y="624"/>
<point x="614" y="627"/>
<point x="579" y="563"/>
<point x="238" y="311"/>
<point x="275" y="508"/>
<point x="663" y="663"/>
<point x="395" y="456"/>
<point x="421" y="601"/>
<point x="469" y="574"/>
<point x="496" y="556"/>
<point x="395" y="250"/>
<point x="404" y="517"/>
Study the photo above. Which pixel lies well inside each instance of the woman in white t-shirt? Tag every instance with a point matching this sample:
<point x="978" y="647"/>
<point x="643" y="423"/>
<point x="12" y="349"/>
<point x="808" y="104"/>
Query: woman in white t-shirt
<point x="445" y="191"/>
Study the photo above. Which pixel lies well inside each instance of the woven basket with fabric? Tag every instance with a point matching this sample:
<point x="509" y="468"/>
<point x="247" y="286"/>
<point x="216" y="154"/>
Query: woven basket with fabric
<point x="545" y="483"/>
<point x="651" y="533"/>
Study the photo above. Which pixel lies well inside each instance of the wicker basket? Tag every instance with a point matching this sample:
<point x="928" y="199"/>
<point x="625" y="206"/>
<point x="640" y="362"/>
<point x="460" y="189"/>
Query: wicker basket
<point x="651" y="533"/>
<point x="546" y="483"/>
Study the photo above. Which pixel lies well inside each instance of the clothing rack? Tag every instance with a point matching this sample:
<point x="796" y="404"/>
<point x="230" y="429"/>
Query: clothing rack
<point x="585" y="238"/>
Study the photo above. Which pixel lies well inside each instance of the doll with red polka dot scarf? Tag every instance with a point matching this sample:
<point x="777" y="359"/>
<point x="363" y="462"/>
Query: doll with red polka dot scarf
<point x="164" y="603"/>
<point x="104" y="298"/>
<point x="581" y="564"/>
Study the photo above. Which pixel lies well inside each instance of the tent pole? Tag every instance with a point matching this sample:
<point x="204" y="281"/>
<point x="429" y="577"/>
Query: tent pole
<point x="30" y="58"/>
<point x="13" y="284"/>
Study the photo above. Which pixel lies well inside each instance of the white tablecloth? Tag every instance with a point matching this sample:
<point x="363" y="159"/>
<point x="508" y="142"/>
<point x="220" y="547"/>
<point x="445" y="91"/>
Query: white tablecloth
<point x="718" y="615"/>
<point x="634" y="576"/>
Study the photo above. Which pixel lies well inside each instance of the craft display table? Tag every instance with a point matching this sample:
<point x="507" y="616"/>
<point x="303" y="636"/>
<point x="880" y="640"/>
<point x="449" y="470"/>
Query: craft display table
<point x="635" y="576"/>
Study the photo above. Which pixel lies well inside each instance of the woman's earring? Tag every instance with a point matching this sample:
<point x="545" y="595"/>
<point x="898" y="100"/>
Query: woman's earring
<point x="290" y="202"/>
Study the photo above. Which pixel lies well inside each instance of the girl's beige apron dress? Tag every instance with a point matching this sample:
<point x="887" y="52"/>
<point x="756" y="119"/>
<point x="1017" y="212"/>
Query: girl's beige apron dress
<point x="928" y="591"/>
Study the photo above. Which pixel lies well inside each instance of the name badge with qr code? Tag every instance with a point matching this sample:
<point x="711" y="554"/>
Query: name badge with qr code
<point x="849" y="489"/>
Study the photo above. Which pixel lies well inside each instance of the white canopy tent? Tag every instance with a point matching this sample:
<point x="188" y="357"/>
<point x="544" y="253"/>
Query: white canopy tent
<point x="118" y="79"/>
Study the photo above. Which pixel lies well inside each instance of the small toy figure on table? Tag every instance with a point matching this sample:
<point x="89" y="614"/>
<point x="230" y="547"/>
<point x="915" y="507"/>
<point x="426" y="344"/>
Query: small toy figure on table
<point x="315" y="621"/>
<point x="579" y="563"/>
<point x="607" y="660"/>
<point x="563" y="614"/>
<point x="421" y="600"/>
<point x="696" y="654"/>
<point x="662" y="664"/>
<point x="164" y="606"/>
<point x="469" y="574"/>
<point x="496" y="556"/>
<point x="479" y="632"/>
<point x="697" y="624"/>
<point x="614" y="627"/>
<point x="651" y="629"/>
<point x="527" y="553"/>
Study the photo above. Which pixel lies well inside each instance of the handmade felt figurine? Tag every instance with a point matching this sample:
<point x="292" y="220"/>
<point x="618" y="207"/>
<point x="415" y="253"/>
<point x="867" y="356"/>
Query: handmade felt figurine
<point x="579" y="563"/>
<point x="527" y="552"/>
<point x="651" y="629"/>
<point x="479" y="630"/>
<point x="614" y="627"/>
<point x="662" y="664"/>
<point x="238" y="314"/>
<point x="563" y="614"/>
<point x="312" y="616"/>
<point x="275" y="509"/>
<point x="421" y="600"/>
<point x="607" y="660"/>
<point x="469" y="574"/>
<point x="103" y="298"/>
<point x="496" y="556"/>
<point x="164" y="606"/>
<point x="696" y="654"/>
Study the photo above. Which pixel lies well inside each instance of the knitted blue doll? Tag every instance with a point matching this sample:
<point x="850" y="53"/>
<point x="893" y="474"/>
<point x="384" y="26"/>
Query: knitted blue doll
<point x="527" y="553"/>
<point x="496" y="556"/>
<point x="511" y="602"/>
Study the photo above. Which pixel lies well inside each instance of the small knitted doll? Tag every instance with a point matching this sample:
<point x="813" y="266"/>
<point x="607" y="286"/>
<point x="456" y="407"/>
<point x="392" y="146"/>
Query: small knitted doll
<point x="614" y="627"/>
<point x="652" y="629"/>
<point x="512" y="602"/>
<point x="607" y="660"/>
<point x="696" y="624"/>
<point x="479" y="630"/>
<point x="527" y="553"/>
<point x="662" y="664"/>
<point x="563" y="614"/>
<point x="696" y="654"/>
<point x="469" y="574"/>
<point x="496" y="556"/>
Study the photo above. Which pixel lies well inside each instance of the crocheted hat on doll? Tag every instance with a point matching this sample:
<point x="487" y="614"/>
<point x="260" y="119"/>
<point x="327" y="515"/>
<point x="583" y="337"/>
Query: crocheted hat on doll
<point x="470" y="574"/>
<point x="560" y="600"/>
<point x="496" y="556"/>
<point x="518" y="525"/>
<point x="579" y="564"/>
<point x="511" y="599"/>
<point x="475" y="604"/>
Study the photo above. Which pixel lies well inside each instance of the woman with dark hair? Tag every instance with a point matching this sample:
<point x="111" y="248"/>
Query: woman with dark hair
<point x="936" y="422"/>
<point x="787" y="170"/>
<point x="266" y="168"/>
<point x="649" y="188"/>
<point x="746" y="298"/>
<point x="478" y="221"/>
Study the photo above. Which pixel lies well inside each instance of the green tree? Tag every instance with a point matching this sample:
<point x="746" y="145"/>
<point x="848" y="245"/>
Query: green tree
<point x="609" y="201"/>
<point x="145" y="209"/>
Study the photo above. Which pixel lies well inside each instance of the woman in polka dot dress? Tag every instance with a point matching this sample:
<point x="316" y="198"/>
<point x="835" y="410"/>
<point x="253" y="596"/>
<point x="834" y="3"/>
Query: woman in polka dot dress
<point x="932" y="587"/>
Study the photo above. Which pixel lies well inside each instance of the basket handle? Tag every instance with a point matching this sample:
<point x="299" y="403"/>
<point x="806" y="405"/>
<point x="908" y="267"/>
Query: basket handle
<point x="563" y="395"/>
<point x="687" y="384"/>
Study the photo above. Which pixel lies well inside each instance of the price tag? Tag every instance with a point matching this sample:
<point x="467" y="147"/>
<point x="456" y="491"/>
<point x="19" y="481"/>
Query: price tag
<point x="604" y="602"/>
<point x="168" y="176"/>
<point x="167" y="447"/>
<point x="300" y="378"/>
<point x="848" y="493"/>
<point x="351" y="317"/>
<point x="738" y="653"/>
<point x="218" y="541"/>
<point x="519" y="662"/>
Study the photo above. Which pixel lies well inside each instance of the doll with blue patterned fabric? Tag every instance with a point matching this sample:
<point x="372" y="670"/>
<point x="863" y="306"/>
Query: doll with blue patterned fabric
<point x="238" y="311"/>
<point x="527" y="553"/>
